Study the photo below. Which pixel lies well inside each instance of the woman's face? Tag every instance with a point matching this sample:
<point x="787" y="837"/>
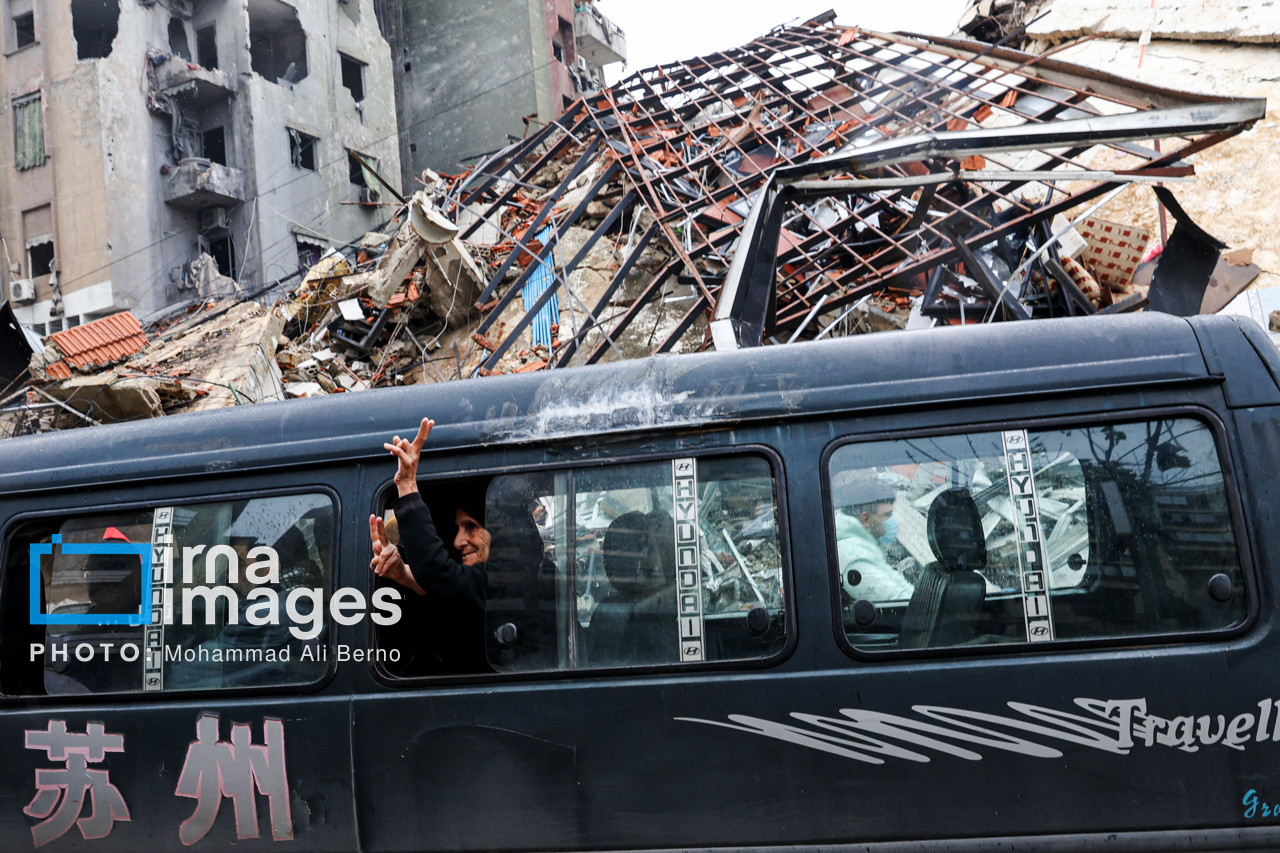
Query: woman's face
<point x="472" y="539"/>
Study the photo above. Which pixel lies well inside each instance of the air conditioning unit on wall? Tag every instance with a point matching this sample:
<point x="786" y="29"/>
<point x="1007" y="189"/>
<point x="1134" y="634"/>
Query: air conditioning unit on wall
<point x="214" y="219"/>
<point x="368" y="195"/>
<point x="22" y="291"/>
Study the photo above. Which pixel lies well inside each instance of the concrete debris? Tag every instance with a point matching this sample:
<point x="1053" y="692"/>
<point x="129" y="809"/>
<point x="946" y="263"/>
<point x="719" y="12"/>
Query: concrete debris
<point x="731" y="200"/>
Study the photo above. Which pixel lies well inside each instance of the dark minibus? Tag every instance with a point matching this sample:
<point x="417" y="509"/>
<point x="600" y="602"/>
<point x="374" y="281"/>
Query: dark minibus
<point x="996" y="587"/>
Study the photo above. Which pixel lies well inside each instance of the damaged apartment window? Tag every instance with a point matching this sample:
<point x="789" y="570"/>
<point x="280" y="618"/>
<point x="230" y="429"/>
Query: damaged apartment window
<point x="24" y="30"/>
<point x="207" y="47"/>
<point x="352" y="76"/>
<point x="94" y="23"/>
<point x="28" y="133"/>
<point x="361" y="174"/>
<point x="40" y="258"/>
<point x="178" y="42"/>
<point x="277" y="44"/>
<point x="302" y="150"/>
<point x="309" y="251"/>
<point x="223" y="252"/>
<point x="567" y="40"/>
<point x="214" y="145"/>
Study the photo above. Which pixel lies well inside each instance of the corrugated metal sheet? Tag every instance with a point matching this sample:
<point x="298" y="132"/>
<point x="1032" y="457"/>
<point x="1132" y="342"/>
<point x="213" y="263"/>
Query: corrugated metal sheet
<point x="103" y="341"/>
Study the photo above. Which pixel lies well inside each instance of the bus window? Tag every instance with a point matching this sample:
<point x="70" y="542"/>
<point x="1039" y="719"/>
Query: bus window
<point x="222" y="602"/>
<point x="641" y="564"/>
<point x="1087" y="533"/>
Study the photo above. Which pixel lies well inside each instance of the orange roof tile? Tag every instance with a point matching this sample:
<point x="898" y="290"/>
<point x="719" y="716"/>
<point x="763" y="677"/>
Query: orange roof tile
<point x="58" y="370"/>
<point x="102" y="341"/>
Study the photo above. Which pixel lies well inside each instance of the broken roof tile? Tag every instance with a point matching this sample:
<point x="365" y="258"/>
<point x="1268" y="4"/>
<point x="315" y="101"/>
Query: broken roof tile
<point x="101" y="341"/>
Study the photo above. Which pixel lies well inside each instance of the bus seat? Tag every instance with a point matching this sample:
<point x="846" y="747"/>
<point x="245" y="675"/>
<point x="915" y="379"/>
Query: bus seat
<point x="626" y="628"/>
<point x="947" y="601"/>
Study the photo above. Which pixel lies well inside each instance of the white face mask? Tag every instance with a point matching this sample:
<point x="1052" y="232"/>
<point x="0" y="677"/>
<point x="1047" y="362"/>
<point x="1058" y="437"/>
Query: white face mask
<point x="890" y="534"/>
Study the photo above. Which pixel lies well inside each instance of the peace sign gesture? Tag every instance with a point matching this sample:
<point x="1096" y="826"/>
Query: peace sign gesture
<point x="387" y="561"/>
<point x="407" y="454"/>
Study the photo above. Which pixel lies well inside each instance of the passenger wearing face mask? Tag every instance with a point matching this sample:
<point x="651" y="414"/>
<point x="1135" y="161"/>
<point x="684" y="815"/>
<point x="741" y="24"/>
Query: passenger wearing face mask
<point x="865" y="527"/>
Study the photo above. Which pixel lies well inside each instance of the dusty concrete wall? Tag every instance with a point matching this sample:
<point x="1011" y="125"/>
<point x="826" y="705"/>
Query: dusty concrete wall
<point x="149" y="240"/>
<point x="320" y="106"/>
<point x="562" y="89"/>
<point x="1256" y="21"/>
<point x="1233" y="196"/>
<point x="475" y="68"/>
<point x="71" y="179"/>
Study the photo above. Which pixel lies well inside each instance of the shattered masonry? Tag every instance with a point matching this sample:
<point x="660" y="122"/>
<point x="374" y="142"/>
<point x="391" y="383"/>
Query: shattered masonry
<point x="821" y="180"/>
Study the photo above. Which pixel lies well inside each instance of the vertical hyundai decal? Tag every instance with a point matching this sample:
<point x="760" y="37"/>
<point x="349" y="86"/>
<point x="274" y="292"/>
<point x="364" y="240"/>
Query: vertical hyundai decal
<point x="1026" y="520"/>
<point x="684" y="479"/>
<point x="161" y="597"/>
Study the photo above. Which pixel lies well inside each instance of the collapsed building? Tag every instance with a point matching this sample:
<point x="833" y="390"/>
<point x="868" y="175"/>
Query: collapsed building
<point x="819" y="181"/>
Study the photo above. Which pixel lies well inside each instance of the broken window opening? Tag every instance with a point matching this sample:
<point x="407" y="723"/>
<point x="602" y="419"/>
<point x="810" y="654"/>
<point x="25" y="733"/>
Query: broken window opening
<point x="567" y="41"/>
<point x="40" y="258"/>
<point x="355" y="172"/>
<point x="28" y="133"/>
<point x="187" y="138"/>
<point x="207" y="47"/>
<point x="309" y="251"/>
<point x="352" y="76"/>
<point x="302" y="150"/>
<point x="223" y="252"/>
<point x="557" y="51"/>
<point x="214" y="144"/>
<point x="94" y="23"/>
<point x="362" y="176"/>
<point x="24" y="30"/>
<point x="178" y="42"/>
<point x="277" y="44"/>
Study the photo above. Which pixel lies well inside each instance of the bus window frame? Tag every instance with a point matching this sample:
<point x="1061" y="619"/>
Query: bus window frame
<point x="331" y="667"/>
<point x="1241" y="536"/>
<point x="382" y="501"/>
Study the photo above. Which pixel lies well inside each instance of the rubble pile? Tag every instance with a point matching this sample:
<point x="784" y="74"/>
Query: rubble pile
<point x="819" y="181"/>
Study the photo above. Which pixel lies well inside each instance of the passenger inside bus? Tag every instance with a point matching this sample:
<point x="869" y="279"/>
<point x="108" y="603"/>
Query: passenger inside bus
<point x="443" y="627"/>
<point x="632" y="625"/>
<point x="865" y="526"/>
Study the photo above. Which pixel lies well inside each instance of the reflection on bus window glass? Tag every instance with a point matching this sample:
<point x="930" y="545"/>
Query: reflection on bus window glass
<point x="1024" y="537"/>
<point x="650" y="564"/>
<point x="217" y="636"/>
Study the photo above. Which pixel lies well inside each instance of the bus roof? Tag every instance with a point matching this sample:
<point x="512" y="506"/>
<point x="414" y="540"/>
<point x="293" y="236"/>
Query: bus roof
<point x="983" y="362"/>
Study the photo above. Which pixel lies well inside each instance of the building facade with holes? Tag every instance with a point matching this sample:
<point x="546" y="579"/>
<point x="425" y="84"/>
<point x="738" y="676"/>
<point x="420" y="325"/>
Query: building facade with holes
<point x="472" y="75"/>
<point x="146" y="135"/>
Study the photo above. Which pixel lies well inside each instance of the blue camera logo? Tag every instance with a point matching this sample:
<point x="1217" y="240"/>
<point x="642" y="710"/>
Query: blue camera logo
<point x="144" y="553"/>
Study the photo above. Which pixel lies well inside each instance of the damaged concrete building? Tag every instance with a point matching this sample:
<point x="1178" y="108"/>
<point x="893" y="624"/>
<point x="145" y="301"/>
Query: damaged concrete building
<point x="469" y="72"/>
<point x="168" y="151"/>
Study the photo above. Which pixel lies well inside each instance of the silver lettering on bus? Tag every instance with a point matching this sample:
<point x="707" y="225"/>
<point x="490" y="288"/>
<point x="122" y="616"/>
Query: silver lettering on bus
<point x="1112" y="725"/>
